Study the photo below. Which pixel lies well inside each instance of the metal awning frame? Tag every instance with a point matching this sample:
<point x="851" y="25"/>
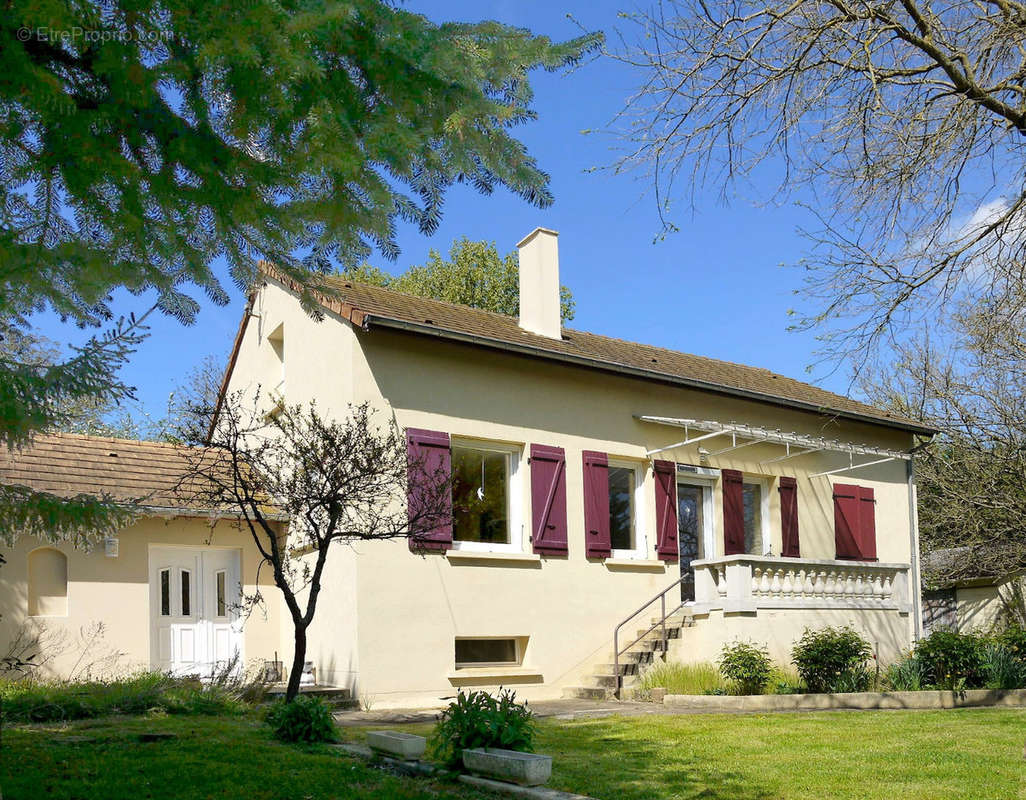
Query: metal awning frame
<point x="758" y="435"/>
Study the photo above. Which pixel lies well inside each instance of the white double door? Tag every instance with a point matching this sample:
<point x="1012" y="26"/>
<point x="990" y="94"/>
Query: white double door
<point x="194" y="609"/>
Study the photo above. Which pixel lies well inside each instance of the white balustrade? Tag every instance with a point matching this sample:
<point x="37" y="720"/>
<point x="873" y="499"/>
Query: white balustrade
<point x="748" y="583"/>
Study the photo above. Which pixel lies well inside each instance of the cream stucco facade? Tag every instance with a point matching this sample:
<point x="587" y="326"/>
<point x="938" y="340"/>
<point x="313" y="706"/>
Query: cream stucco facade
<point x="389" y="617"/>
<point x="101" y="617"/>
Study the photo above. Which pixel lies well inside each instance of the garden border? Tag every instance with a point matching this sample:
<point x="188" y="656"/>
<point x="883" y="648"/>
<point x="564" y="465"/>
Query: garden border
<point x="422" y="769"/>
<point x="864" y="701"/>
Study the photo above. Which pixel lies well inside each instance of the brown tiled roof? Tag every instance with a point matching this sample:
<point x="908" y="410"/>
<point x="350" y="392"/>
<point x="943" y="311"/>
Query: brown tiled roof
<point x="147" y="474"/>
<point x="366" y="306"/>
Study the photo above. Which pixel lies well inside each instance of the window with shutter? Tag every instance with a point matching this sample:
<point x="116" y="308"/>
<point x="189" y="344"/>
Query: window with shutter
<point x="665" y="473"/>
<point x="596" y="504"/>
<point x="789" y="517"/>
<point x="429" y="471"/>
<point x="548" y="500"/>
<point x="733" y="512"/>
<point x="854" y="522"/>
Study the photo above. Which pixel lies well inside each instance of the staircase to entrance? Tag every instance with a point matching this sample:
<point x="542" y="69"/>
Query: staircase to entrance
<point x="631" y="654"/>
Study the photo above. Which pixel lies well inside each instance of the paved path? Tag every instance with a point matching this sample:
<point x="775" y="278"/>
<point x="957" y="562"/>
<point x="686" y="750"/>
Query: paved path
<point x="559" y="709"/>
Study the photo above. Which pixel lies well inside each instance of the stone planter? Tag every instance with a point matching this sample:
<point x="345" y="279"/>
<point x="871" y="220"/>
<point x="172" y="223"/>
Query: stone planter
<point x="401" y="745"/>
<point x="527" y="769"/>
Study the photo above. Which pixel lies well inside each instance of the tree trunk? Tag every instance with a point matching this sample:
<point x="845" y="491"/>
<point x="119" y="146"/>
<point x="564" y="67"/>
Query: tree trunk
<point x="298" y="659"/>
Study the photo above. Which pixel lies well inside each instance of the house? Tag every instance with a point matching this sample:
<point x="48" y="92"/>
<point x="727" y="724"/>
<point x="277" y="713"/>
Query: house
<point x="164" y="593"/>
<point x="596" y="482"/>
<point x="612" y="501"/>
<point x="970" y="594"/>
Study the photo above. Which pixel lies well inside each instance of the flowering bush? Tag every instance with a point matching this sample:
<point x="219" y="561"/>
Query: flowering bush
<point x="746" y="667"/>
<point x="953" y="660"/>
<point x="833" y="660"/>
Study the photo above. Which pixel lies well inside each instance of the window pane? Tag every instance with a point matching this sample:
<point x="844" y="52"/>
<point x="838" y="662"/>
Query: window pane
<point x="621" y="508"/>
<point x="486" y="651"/>
<point x="480" y="496"/>
<point x="165" y="593"/>
<point x="220" y="587"/>
<point x="753" y="518"/>
<point x="186" y="600"/>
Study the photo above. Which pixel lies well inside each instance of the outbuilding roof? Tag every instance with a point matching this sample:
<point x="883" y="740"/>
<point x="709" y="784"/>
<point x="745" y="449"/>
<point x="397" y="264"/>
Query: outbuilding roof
<point x="148" y="475"/>
<point x="368" y="306"/>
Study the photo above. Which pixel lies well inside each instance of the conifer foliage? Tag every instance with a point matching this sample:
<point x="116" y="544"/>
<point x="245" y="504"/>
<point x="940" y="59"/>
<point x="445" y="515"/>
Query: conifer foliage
<point x="140" y="141"/>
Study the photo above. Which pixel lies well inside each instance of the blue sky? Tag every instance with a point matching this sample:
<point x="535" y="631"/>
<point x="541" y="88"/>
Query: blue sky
<point x="715" y="288"/>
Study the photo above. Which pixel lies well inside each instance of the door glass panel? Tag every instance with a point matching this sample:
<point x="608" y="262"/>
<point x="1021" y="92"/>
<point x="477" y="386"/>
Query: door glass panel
<point x="165" y="593"/>
<point x="621" y="508"/>
<point x="689" y="535"/>
<point x="186" y="597"/>
<point x="219" y="589"/>
<point x="753" y="518"/>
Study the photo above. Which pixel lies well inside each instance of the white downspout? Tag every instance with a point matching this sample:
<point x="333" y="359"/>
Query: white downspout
<point x="915" y="582"/>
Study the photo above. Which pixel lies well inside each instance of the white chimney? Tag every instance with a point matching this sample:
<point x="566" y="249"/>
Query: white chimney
<point x="539" y="283"/>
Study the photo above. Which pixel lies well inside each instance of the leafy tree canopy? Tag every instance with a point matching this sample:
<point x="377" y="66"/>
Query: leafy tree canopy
<point x="140" y="141"/>
<point x="473" y="275"/>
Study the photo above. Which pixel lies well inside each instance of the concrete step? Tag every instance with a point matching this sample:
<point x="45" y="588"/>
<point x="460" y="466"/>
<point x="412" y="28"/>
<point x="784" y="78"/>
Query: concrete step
<point x="335" y="696"/>
<point x="625" y="668"/>
<point x="586" y="693"/>
<point x="657" y="633"/>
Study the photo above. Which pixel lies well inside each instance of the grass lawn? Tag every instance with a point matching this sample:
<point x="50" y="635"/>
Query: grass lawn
<point x="974" y="754"/>
<point x="212" y="757"/>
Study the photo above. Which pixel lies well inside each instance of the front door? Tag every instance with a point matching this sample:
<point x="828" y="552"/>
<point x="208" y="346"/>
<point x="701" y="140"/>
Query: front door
<point x="194" y="603"/>
<point x="690" y="508"/>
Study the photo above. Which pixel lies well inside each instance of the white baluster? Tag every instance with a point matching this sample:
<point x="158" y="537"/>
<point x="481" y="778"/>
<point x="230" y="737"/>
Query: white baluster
<point x="764" y="587"/>
<point x="831" y="584"/>
<point x="819" y="588"/>
<point x="756" y="573"/>
<point x="787" y="583"/>
<point x="721" y="581"/>
<point x="776" y="582"/>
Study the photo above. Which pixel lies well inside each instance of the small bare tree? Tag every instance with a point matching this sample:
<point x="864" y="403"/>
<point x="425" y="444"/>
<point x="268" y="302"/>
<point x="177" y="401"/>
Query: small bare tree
<point x="967" y="377"/>
<point x="334" y="481"/>
<point x="900" y="123"/>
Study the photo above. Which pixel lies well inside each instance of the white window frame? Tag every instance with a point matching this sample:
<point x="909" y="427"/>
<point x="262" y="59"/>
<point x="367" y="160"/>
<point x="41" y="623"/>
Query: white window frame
<point x="705" y="479"/>
<point x="640" y="549"/>
<point x="517" y="647"/>
<point x="227" y="611"/>
<point x="514" y="499"/>
<point x="194" y="610"/>
<point x="764" y="510"/>
<point x="170" y="592"/>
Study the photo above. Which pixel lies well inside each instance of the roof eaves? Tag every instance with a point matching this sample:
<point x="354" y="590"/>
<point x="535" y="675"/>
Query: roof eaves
<point x="627" y="369"/>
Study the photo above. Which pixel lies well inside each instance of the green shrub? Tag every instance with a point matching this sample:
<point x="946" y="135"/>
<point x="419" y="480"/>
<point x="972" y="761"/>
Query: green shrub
<point x="952" y="660"/>
<point x="306" y="719"/>
<point x="677" y="678"/>
<point x="746" y="667"/>
<point x="833" y="660"/>
<point x="1014" y="641"/>
<point x="785" y="681"/>
<point x="1002" y="669"/>
<point x="31" y="700"/>
<point x="906" y="675"/>
<point x="478" y="719"/>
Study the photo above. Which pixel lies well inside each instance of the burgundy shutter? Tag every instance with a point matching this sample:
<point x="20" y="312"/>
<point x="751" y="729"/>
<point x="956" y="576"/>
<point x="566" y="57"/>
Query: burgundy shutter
<point x="789" y="517"/>
<point x="867" y="524"/>
<point x="666" y="510"/>
<point x="596" y="505"/>
<point x="548" y="499"/>
<point x="429" y="469"/>
<point x="733" y="512"/>
<point x="847" y="531"/>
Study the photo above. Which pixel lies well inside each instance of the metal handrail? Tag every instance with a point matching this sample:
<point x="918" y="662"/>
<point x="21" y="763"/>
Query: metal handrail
<point x="661" y="597"/>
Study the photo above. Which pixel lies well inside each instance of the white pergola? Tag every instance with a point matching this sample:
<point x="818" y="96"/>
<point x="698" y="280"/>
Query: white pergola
<point x="794" y="444"/>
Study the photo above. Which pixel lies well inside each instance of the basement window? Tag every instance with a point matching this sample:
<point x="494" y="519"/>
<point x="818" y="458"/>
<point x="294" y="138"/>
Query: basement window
<point x="488" y="652"/>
